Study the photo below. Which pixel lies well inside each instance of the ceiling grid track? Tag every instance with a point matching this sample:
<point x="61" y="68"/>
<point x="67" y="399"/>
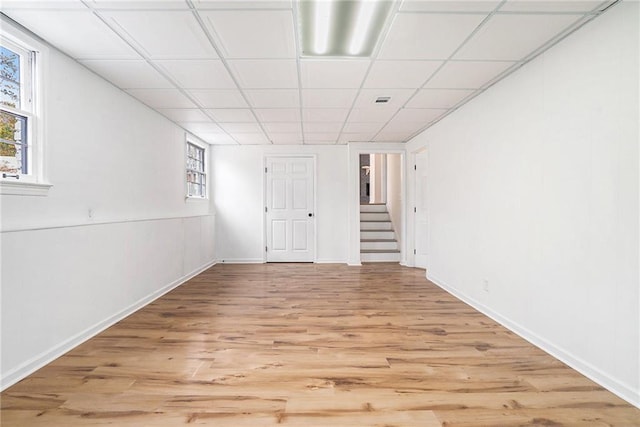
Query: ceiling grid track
<point x="224" y="70"/>
<point x="224" y="61"/>
<point x="446" y="61"/>
<point x="146" y="57"/>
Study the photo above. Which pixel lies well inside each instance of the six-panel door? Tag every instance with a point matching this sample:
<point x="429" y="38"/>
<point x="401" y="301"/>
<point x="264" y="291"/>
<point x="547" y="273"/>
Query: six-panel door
<point x="289" y="216"/>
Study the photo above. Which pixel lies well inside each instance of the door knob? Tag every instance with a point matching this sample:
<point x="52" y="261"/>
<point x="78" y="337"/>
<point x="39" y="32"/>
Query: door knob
<point x="310" y="214"/>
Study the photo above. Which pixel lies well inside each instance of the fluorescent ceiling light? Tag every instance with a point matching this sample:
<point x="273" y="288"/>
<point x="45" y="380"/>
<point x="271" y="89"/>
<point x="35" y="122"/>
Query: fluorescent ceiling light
<point x="322" y="24"/>
<point x="338" y="28"/>
<point x="363" y="22"/>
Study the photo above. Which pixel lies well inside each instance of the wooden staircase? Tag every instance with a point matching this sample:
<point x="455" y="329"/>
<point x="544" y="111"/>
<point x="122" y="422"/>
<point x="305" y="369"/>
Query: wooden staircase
<point x="378" y="241"/>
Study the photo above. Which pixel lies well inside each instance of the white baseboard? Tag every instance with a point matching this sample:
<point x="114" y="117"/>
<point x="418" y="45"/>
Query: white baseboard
<point x="37" y="362"/>
<point x="613" y="385"/>
<point x="241" y="261"/>
<point x="331" y="261"/>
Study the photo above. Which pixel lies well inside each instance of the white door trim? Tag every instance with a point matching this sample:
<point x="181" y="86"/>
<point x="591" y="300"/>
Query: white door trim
<point x="355" y="149"/>
<point x="313" y="157"/>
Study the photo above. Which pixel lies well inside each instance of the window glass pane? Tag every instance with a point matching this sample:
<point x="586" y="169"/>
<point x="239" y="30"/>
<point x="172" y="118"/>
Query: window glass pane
<point x="13" y="148"/>
<point x="9" y="78"/>
<point x="196" y="179"/>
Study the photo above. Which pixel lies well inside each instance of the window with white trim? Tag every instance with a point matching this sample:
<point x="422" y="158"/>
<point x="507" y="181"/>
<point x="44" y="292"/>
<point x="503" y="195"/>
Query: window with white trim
<point x="196" y="170"/>
<point x="21" y="165"/>
<point x="16" y="110"/>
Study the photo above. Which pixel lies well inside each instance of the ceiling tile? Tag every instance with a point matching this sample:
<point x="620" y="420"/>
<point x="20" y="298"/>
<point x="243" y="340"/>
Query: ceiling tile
<point x="273" y="98"/>
<point x="422" y="115"/>
<point x="345" y="138"/>
<point x="286" y="138"/>
<point x="328" y="98"/>
<point x="239" y="115"/>
<point x="278" y="114"/>
<point x="234" y="128"/>
<point x="549" y="6"/>
<point x="324" y="114"/>
<point x="244" y="4"/>
<point x="357" y="127"/>
<point x="402" y="127"/>
<point x="467" y="74"/>
<point x="139" y="4"/>
<point x="198" y="73"/>
<point x="42" y="4"/>
<point x="438" y="98"/>
<point x="253" y="34"/>
<point x="333" y="73"/>
<point x="326" y="137"/>
<point x="129" y="73"/>
<point x="427" y="36"/>
<point x="216" y="138"/>
<point x="367" y="98"/>
<point x="200" y="127"/>
<point x="400" y="74"/>
<point x="266" y="73"/>
<point x="164" y="34"/>
<point x="251" y="138"/>
<point x="219" y="98"/>
<point x="374" y="114"/>
<point x="78" y="33"/>
<point x="162" y="98"/>
<point x="291" y="127"/>
<point x="448" y="6"/>
<point x="184" y="114"/>
<point x="392" y="137"/>
<point x="322" y="127"/>
<point x="513" y="37"/>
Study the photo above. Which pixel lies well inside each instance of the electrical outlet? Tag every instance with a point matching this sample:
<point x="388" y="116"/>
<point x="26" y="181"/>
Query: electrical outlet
<point x="485" y="285"/>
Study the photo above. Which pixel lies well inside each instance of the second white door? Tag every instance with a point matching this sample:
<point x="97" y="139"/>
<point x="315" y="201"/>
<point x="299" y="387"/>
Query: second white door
<point x="289" y="209"/>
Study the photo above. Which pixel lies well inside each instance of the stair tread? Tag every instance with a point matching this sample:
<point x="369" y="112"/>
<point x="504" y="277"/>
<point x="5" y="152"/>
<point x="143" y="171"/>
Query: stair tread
<point x="375" y="220"/>
<point x="377" y="229"/>
<point x="372" y="204"/>
<point x="379" y="251"/>
<point x="378" y="240"/>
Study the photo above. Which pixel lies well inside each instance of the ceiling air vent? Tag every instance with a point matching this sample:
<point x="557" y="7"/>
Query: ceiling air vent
<point x="382" y="99"/>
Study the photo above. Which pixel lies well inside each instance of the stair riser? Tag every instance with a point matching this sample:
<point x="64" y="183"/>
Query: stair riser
<point x="373" y="208"/>
<point x="381" y="257"/>
<point x="377" y="235"/>
<point x="374" y="216"/>
<point x="375" y="226"/>
<point x="379" y="245"/>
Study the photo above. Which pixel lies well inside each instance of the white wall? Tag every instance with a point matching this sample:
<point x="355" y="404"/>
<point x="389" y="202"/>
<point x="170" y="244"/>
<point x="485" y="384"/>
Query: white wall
<point x="378" y="172"/>
<point x="534" y="188"/>
<point x="394" y="191"/>
<point x="66" y="275"/>
<point x="238" y="180"/>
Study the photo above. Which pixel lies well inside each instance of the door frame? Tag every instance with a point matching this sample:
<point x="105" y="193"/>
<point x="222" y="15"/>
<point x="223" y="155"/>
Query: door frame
<point x="355" y="149"/>
<point x="414" y="204"/>
<point x="314" y="225"/>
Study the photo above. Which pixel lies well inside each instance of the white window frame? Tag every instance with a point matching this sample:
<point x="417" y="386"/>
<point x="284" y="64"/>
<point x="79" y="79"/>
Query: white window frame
<point x="34" y="55"/>
<point x="190" y="141"/>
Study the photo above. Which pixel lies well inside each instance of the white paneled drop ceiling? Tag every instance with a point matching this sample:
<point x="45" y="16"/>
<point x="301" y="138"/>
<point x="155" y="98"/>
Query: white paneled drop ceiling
<point x="230" y="72"/>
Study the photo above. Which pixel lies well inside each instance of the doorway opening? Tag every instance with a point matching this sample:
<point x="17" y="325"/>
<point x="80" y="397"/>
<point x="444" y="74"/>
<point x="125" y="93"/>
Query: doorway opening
<point x="381" y="210"/>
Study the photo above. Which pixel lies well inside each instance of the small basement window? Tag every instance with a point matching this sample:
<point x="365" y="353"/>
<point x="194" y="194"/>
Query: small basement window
<point x="196" y="170"/>
<point x="21" y="153"/>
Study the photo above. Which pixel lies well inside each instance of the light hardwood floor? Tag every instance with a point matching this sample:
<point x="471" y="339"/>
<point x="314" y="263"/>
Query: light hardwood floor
<point x="310" y="345"/>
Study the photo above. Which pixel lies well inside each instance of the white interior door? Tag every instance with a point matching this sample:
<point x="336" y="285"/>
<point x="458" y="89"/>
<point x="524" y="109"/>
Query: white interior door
<point x="289" y="209"/>
<point x="420" y="219"/>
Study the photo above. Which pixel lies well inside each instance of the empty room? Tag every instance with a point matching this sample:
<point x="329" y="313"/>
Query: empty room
<point x="320" y="213"/>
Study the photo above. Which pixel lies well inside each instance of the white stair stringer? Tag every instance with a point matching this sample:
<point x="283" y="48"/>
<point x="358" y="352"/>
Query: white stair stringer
<point x="378" y="241"/>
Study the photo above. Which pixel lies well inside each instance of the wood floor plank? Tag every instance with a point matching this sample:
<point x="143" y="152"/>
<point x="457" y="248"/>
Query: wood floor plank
<point x="309" y="345"/>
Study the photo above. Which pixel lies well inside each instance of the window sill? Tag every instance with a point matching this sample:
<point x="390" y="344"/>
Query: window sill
<point x="16" y="188"/>
<point x="195" y="199"/>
